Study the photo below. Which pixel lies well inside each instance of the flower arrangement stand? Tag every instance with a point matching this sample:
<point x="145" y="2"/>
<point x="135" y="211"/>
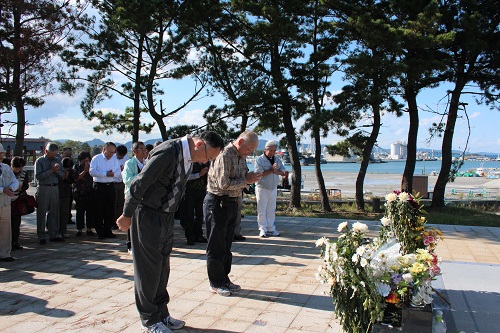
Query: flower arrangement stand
<point x="414" y="320"/>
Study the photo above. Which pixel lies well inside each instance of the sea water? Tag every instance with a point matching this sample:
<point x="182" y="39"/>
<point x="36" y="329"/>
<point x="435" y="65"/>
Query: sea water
<point x="421" y="167"/>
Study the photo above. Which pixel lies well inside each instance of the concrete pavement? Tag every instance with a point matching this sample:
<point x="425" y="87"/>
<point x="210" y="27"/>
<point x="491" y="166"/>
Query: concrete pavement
<point x="86" y="285"/>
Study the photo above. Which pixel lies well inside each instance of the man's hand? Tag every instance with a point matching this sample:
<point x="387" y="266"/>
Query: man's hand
<point x="123" y="223"/>
<point x="253" y="177"/>
<point x="8" y="191"/>
<point x="110" y="173"/>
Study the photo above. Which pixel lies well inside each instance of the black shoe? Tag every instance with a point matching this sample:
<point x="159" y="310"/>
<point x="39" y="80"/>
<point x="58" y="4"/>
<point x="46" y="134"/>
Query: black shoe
<point x="110" y="235"/>
<point x="42" y="241"/>
<point x="90" y="233"/>
<point x="239" y="238"/>
<point x="190" y="242"/>
<point x="16" y="246"/>
<point x="115" y="227"/>
<point x="57" y="239"/>
<point x="71" y="222"/>
<point x="7" y="259"/>
<point x="101" y="236"/>
<point x="79" y="233"/>
<point x="200" y="239"/>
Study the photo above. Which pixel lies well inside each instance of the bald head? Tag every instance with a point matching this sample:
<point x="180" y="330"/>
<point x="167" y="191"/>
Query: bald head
<point x="246" y="143"/>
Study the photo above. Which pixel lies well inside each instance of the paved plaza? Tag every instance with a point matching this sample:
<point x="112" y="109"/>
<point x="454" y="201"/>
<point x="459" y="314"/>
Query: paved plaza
<point x="86" y="285"/>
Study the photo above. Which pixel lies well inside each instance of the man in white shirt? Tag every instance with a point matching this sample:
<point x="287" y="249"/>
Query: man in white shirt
<point x="103" y="169"/>
<point x="121" y="156"/>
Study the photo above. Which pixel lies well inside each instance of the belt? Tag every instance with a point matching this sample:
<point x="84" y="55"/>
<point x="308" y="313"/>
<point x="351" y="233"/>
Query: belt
<point x="49" y="184"/>
<point x="105" y="184"/>
<point x="225" y="197"/>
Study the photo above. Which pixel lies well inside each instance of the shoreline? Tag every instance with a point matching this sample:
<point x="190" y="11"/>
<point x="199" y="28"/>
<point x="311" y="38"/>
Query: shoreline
<point x="377" y="184"/>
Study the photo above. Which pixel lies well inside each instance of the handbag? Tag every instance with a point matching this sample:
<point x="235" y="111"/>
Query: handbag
<point x="25" y="204"/>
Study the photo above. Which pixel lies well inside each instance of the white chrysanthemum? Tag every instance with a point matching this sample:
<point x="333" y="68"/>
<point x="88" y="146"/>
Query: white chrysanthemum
<point x="391" y="197"/>
<point x="355" y="258"/>
<point x="403" y="196"/>
<point x="363" y="262"/>
<point x="360" y="250"/>
<point x="385" y="221"/>
<point x="390" y="234"/>
<point x="408" y="278"/>
<point x="321" y="241"/>
<point x="368" y="254"/>
<point x="342" y="226"/>
<point x="359" y="227"/>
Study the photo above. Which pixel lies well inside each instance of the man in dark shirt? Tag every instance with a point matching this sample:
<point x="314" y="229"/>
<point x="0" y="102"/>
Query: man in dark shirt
<point x="154" y="196"/>
<point x="227" y="177"/>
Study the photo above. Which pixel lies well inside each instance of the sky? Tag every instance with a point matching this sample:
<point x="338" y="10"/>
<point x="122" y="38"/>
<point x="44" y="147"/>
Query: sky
<point x="61" y="118"/>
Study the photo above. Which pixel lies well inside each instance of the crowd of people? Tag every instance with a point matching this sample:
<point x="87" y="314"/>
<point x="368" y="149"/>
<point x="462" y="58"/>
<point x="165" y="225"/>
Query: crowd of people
<point x="198" y="176"/>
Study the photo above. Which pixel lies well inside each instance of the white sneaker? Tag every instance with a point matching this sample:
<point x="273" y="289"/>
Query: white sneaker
<point x="172" y="323"/>
<point x="157" y="328"/>
<point x="222" y="291"/>
<point x="262" y="234"/>
<point x="275" y="233"/>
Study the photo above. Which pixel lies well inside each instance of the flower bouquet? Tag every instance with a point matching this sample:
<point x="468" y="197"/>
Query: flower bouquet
<point x="370" y="281"/>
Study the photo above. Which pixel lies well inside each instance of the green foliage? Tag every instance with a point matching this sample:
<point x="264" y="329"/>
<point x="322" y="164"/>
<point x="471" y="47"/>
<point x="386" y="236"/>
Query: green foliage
<point x="122" y="123"/>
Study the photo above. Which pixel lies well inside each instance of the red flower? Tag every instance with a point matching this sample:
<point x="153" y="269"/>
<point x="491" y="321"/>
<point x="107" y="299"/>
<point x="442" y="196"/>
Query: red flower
<point x="392" y="298"/>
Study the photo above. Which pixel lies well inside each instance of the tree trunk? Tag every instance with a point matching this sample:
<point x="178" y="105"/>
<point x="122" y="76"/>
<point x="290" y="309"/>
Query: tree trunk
<point x="447" y="146"/>
<point x="137" y="92"/>
<point x="407" y="181"/>
<point x="16" y="87"/>
<point x="360" y="180"/>
<point x="325" y="201"/>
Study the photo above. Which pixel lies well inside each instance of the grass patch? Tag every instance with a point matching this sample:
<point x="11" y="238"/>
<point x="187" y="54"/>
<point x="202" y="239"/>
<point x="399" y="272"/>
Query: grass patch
<point x="466" y="214"/>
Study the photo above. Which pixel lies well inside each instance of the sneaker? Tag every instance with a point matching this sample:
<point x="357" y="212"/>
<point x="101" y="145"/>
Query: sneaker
<point x="233" y="287"/>
<point x="42" y="241"/>
<point x="222" y="291"/>
<point x="157" y="328"/>
<point x="262" y="234"/>
<point x="129" y="251"/>
<point x="172" y="323"/>
<point x="275" y="233"/>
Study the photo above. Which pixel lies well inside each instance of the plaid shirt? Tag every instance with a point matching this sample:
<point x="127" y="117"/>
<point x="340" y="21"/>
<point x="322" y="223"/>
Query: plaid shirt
<point x="227" y="173"/>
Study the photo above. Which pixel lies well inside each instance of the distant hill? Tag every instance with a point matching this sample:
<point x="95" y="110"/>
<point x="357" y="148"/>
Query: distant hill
<point x="262" y="143"/>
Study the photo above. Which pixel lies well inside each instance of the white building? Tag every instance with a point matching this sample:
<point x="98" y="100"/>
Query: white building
<point x="399" y="151"/>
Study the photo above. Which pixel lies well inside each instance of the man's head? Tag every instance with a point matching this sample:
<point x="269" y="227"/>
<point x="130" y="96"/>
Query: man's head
<point x="270" y="148"/>
<point x="17" y="163"/>
<point x="246" y="143"/>
<point x="121" y="151"/>
<point x="67" y="152"/>
<point x="139" y="150"/>
<point x="2" y="152"/>
<point x="51" y="150"/>
<point x="109" y="149"/>
<point x="207" y="146"/>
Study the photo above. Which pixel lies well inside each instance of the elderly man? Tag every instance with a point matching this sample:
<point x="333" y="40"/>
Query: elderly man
<point x="226" y="179"/>
<point x="48" y="171"/>
<point x="152" y="200"/>
<point x="8" y="184"/>
<point x="266" y="189"/>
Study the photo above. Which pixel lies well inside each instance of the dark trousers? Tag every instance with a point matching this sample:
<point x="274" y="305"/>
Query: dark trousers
<point x="104" y="208"/>
<point x="119" y="199"/>
<point x="84" y="212"/>
<point x="220" y="220"/>
<point x="152" y="234"/>
<point x="15" y="223"/>
<point x="192" y="212"/>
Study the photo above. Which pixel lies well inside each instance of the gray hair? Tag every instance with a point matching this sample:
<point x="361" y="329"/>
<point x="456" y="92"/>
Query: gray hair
<point x="271" y="143"/>
<point x="249" y="136"/>
<point x="52" y="146"/>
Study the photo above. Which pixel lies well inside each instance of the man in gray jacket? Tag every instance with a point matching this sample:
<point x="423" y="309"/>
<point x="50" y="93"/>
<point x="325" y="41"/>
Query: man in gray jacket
<point x="152" y="201"/>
